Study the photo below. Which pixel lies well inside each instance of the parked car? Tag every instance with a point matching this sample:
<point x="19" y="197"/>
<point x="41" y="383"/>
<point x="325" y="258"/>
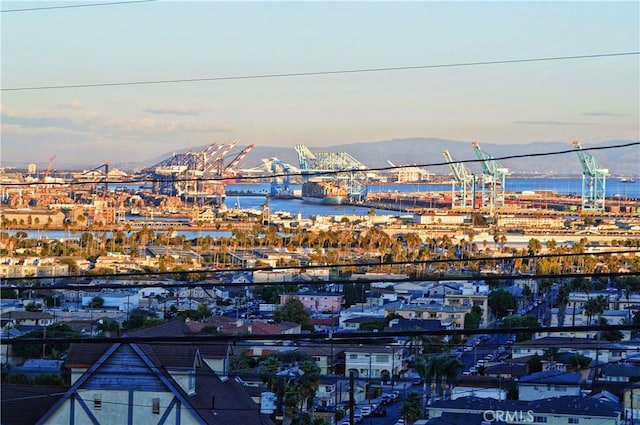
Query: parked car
<point x="379" y="411"/>
<point x="417" y="381"/>
<point x="395" y="395"/>
<point x="386" y="399"/>
<point x="365" y="411"/>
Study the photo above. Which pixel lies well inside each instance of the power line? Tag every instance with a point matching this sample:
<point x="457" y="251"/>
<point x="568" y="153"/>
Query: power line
<point x="69" y="6"/>
<point x="314" y="173"/>
<point x="319" y="73"/>
<point x="348" y="338"/>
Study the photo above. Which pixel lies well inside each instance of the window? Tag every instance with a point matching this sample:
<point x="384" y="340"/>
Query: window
<point x="353" y="356"/>
<point x="540" y="419"/>
<point x="382" y="358"/>
<point x="574" y="420"/>
<point x="97" y="402"/>
<point x="155" y="408"/>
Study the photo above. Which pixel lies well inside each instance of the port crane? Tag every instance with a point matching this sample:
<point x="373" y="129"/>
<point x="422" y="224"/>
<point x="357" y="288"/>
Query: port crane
<point x="594" y="179"/>
<point x="493" y="180"/>
<point x="280" y="178"/>
<point x="337" y="166"/>
<point x="195" y="175"/>
<point x="94" y="175"/>
<point x="462" y="186"/>
<point x="231" y="170"/>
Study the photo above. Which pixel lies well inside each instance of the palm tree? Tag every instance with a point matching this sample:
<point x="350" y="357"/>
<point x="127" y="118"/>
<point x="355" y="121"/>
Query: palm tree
<point x="578" y="362"/>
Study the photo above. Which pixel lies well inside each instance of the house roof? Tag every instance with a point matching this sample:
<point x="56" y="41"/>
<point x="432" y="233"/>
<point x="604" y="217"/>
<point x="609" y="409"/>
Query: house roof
<point x="408" y="324"/>
<point x="565" y="405"/>
<point x="611" y="369"/>
<point x="513" y="369"/>
<point x="460" y="418"/>
<point x="25" y="404"/>
<point x="552" y="376"/>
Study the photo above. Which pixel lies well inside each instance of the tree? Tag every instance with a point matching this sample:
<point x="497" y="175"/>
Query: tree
<point x="96" y="302"/>
<point x="292" y="311"/>
<point x="612" y="335"/>
<point x="534" y="364"/>
<point x="473" y="319"/>
<point x="578" y="362"/>
<point x="412" y="406"/>
<point x="54" y="350"/>
<point x="299" y="384"/>
<point x="8" y="294"/>
<point x="595" y="306"/>
<point x="33" y="307"/>
<point x="517" y="321"/>
<point x="502" y="303"/>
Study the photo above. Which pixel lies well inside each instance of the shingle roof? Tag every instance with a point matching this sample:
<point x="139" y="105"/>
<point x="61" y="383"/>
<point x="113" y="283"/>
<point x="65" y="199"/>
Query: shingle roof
<point x="552" y="376"/>
<point x="25" y="404"/>
<point x="566" y="405"/>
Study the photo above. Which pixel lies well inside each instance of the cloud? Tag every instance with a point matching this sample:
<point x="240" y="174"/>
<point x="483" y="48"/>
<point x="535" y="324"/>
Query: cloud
<point x="604" y="114"/>
<point x="173" y="110"/>
<point x="552" y="123"/>
<point x="36" y="121"/>
<point x="74" y="104"/>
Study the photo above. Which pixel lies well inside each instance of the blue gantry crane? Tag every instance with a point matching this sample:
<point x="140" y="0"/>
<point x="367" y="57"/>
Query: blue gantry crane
<point x="594" y="179"/>
<point x="336" y="166"/>
<point x="493" y="180"/>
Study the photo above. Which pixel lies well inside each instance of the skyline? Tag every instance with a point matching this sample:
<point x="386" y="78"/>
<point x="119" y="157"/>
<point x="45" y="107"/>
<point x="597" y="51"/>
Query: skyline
<point x="590" y="100"/>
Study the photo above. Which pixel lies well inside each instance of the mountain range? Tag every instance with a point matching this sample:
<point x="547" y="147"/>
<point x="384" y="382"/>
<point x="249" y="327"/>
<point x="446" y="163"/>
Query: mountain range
<point x="427" y="153"/>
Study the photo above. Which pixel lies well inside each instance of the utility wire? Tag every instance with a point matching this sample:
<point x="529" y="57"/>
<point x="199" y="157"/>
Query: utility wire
<point x="390" y="282"/>
<point x="69" y="6"/>
<point x="318" y="73"/>
<point x="349" y="338"/>
<point x="314" y="172"/>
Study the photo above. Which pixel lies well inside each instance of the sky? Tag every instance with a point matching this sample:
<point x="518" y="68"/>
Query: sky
<point x="590" y="100"/>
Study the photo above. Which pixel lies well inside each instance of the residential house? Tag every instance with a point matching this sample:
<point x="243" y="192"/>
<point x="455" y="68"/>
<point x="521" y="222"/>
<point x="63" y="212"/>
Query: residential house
<point x="549" y="383"/>
<point x="552" y="411"/>
<point x="317" y="302"/>
<point x="150" y="383"/>
<point x="374" y="361"/>
<point x="26" y="320"/>
<point x="451" y="317"/>
<point x="325" y="356"/>
<point x="479" y="386"/>
<point x="603" y="351"/>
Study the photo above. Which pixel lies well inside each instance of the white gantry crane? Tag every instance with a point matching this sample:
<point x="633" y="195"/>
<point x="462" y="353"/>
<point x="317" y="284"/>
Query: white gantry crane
<point x="594" y="179"/>
<point x="493" y="180"/>
<point x="462" y="186"/>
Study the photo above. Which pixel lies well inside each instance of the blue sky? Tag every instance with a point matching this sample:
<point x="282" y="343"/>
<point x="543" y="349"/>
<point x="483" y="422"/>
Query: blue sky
<point x="589" y="99"/>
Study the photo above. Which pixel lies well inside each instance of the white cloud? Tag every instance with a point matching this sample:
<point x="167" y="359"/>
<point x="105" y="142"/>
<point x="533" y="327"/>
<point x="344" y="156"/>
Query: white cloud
<point x="168" y="109"/>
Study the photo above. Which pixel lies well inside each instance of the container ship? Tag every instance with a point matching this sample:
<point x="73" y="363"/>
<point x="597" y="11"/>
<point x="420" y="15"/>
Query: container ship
<point x="323" y="192"/>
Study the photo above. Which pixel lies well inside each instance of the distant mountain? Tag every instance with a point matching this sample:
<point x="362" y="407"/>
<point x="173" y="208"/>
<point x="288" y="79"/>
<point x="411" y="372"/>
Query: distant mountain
<point x="422" y="151"/>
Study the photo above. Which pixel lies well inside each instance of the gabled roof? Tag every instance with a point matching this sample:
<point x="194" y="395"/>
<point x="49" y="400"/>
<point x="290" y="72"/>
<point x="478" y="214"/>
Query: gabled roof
<point x="214" y="402"/>
<point x="552" y="376"/>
